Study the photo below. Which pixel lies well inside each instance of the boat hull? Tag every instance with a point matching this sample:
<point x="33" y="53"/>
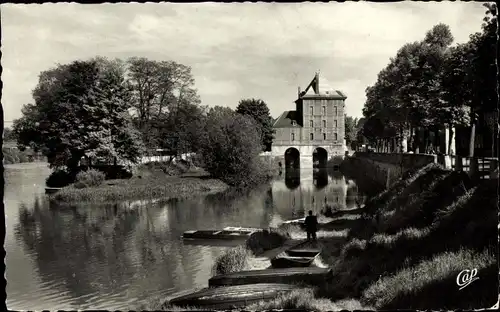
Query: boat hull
<point x="291" y="262"/>
<point x="311" y="275"/>
<point x="230" y="297"/>
<point x="214" y="234"/>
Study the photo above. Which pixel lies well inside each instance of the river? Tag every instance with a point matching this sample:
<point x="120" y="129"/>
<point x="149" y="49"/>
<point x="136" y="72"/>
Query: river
<point x="116" y="257"/>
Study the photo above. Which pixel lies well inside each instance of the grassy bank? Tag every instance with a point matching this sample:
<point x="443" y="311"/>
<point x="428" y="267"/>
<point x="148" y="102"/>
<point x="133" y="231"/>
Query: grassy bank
<point x="414" y="239"/>
<point x="149" y="181"/>
<point x="407" y="246"/>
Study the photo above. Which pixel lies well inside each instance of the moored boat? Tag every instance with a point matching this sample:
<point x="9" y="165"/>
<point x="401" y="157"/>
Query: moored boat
<point x="301" y="255"/>
<point x="52" y="190"/>
<point x="231" y="296"/>
<point x="308" y="275"/>
<point x="291" y="262"/>
<point x="226" y="233"/>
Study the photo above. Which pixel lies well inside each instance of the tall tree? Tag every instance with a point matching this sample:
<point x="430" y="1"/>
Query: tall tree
<point x="350" y="131"/>
<point x="230" y="146"/>
<point x="80" y="110"/>
<point x="159" y="88"/>
<point x="258" y="110"/>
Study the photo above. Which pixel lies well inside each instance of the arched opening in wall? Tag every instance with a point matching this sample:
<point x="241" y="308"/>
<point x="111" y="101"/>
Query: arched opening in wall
<point x="292" y="158"/>
<point x="320" y="158"/>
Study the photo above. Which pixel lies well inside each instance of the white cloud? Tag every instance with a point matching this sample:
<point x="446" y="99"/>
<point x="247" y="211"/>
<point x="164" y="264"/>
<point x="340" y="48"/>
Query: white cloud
<point x="235" y="50"/>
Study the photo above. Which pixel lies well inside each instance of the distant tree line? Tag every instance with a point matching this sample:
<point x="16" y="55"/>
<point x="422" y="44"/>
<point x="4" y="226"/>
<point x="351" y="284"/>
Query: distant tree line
<point x="115" y="109"/>
<point x="429" y="83"/>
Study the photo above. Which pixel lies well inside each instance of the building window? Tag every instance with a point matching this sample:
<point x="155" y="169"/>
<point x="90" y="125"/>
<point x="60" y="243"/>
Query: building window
<point x="335" y="111"/>
<point x="335" y="136"/>
<point x="311" y="111"/>
<point x="324" y="123"/>
<point x="324" y="110"/>
<point x="324" y="136"/>
<point x="311" y="123"/>
<point x="311" y="136"/>
<point x="335" y="124"/>
<point x="293" y="136"/>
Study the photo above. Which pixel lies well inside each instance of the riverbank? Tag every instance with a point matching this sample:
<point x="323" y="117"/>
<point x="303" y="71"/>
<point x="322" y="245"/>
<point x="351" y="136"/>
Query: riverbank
<point x="406" y="247"/>
<point x="412" y="240"/>
<point x="158" y="182"/>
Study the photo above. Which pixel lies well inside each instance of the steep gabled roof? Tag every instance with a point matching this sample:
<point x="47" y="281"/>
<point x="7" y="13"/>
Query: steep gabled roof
<point x="319" y="87"/>
<point x="286" y="120"/>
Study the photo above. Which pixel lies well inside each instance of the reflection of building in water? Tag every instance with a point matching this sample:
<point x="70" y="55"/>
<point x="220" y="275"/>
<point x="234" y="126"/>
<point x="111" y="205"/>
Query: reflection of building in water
<point x="316" y="190"/>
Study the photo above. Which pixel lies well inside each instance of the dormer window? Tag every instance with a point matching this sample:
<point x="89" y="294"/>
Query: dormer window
<point x="294" y="123"/>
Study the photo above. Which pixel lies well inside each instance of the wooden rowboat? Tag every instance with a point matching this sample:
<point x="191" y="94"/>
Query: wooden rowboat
<point x="230" y="297"/>
<point x="302" y="255"/>
<point x="231" y="233"/>
<point x="309" y="275"/>
<point x="291" y="262"/>
<point x="295" y="258"/>
<point x="240" y="229"/>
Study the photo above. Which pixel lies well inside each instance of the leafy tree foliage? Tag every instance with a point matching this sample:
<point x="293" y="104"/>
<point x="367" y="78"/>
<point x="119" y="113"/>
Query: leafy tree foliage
<point x="428" y="84"/>
<point x="179" y="131"/>
<point x="351" y="131"/>
<point x="80" y="110"/>
<point x="258" y="110"/>
<point x="230" y="144"/>
<point x="160" y="91"/>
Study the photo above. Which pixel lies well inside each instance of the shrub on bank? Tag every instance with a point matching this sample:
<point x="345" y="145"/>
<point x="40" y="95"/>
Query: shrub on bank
<point x="59" y="178"/>
<point x="89" y="178"/>
<point x="232" y="260"/>
<point x="262" y="241"/>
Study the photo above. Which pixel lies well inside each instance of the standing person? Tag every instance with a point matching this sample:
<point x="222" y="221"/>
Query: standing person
<point x="311" y="224"/>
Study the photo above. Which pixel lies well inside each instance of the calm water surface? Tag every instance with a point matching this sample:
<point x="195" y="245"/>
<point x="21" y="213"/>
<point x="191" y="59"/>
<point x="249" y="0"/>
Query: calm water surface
<point x="117" y="256"/>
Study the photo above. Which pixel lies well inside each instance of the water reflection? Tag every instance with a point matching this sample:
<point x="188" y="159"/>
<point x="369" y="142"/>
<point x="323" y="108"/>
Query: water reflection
<point x="304" y="190"/>
<point x="116" y="256"/>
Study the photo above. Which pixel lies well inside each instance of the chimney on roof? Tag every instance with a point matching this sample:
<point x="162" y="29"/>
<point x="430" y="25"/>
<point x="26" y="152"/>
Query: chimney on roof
<point x="316" y="82"/>
<point x="299" y="91"/>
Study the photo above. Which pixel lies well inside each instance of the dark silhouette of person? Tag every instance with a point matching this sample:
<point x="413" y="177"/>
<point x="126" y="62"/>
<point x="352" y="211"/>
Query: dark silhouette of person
<point x="311" y="225"/>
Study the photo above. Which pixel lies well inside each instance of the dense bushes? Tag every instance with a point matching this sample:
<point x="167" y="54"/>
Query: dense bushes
<point x="59" y="178"/>
<point x="233" y="260"/>
<point x="264" y="240"/>
<point x="113" y="172"/>
<point x="230" y="145"/>
<point x="89" y="178"/>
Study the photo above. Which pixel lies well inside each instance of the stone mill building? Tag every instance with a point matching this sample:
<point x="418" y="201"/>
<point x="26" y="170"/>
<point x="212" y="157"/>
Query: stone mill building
<point x="313" y="133"/>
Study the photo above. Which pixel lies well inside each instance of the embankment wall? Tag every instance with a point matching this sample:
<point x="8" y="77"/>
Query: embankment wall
<point x="379" y="170"/>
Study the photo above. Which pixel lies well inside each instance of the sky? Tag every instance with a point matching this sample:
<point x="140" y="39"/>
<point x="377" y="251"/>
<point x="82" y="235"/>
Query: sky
<point x="236" y="51"/>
